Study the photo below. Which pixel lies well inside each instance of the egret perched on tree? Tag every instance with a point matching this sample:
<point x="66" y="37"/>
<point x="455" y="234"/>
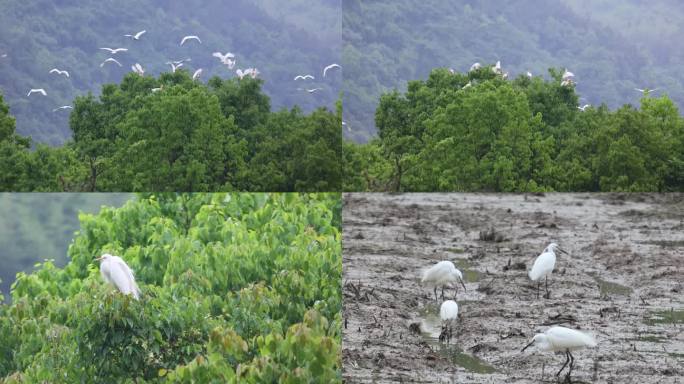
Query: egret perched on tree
<point x="584" y="107"/>
<point x="448" y="312"/>
<point x="137" y="35"/>
<point x="497" y="68"/>
<point x="137" y="68"/>
<point x="174" y="66"/>
<point x="562" y="339"/>
<point x="116" y="272"/>
<point x="475" y="67"/>
<point x="543" y="266"/>
<point x="441" y="274"/>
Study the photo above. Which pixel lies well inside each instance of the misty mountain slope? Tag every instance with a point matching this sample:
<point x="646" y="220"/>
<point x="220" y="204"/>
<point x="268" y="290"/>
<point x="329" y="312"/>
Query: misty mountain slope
<point x="67" y="34"/>
<point x="386" y="45"/>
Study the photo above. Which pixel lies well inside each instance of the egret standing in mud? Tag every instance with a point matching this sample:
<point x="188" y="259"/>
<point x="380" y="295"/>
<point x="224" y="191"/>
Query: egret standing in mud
<point x="543" y="266"/>
<point x="442" y="274"/>
<point x="448" y="312"/>
<point x="561" y="339"/>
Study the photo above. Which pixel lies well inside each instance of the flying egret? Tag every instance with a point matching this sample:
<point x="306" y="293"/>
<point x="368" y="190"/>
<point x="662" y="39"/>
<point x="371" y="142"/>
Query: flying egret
<point x="543" y="266"/>
<point x="584" y="107"/>
<point x="37" y="90"/>
<point x="137" y="68"/>
<point x="448" y="312"/>
<point x="329" y="67"/>
<point x="62" y="107"/>
<point x="645" y="91"/>
<point x="442" y="274"/>
<point x="114" y="51"/>
<point x="110" y="60"/>
<point x="57" y="71"/>
<point x="116" y="272"/>
<point x="174" y="66"/>
<point x="475" y="67"/>
<point x="304" y="77"/>
<point x="191" y="37"/>
<point x="562" y="339"/>
<point x="223" y="58"/>
<point x="314" y="90"/>
<point x="567" y="83"/>
<point x="197" y="74"/>
<point x="137" y="35"/>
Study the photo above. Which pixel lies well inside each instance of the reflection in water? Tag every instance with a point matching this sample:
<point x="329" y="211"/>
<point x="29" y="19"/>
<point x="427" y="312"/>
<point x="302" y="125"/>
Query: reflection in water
<point x="431" y="327"/>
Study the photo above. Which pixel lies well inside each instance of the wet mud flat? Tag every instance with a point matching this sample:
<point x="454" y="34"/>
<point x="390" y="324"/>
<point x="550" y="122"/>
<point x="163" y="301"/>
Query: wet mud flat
<point x="623" y="282"/>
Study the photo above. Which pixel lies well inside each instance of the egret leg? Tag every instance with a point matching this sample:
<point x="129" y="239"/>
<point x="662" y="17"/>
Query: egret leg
<point x="567" y="360"/>
<point x="442" y="292"/>
<point x="538" y="283"/>
<point x="435" y="293"/>
<point x="548" y="295"/>
<point x="572" y="363"/>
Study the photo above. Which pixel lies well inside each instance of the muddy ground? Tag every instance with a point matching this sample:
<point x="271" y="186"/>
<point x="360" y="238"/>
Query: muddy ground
<point x="623" y="282"/>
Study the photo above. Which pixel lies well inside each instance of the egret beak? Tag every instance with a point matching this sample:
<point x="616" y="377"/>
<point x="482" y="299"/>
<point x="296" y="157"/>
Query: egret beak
<point x="561" y="250"/>
<point x="462" y="283"/>
<point x="99" y="258"/>
<point x="531" y="342"/>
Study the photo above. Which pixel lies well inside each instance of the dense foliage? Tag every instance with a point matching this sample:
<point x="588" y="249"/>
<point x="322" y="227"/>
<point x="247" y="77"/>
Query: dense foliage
<point x="36" y="226"/>
<point x="235" y="288"/>
<point x="613" y="46"/>
<point x="522" y="135"/>
<point x="281" y="39"/>
<point x="187" y="136"/>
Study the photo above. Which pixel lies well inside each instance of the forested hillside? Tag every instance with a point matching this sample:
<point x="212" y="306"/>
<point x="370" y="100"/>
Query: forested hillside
<point x="612" y="47"/>
<point x="477" y="131"/>
<point x="34" y="227"/>
<point x="236" y="288"/>
<point x="280" y="40"/>
<point x="173" y="133"/>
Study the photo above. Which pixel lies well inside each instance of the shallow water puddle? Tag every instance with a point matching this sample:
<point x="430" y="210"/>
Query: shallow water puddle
<point x="431" y="327"/>
<point x="608" y="288"/>
<point x="469" y="275"/>
<point x="671" y="316"/>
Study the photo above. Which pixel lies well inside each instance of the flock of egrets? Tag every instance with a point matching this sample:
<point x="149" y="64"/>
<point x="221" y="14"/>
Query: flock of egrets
<point x="555" y="339"/>
<point x="228" y="59"/>
<point x="567" y="80"/>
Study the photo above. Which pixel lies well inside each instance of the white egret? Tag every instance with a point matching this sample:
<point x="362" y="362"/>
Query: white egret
<point x="174" y="66"/>
<point x="197" y="74"/>
<point x="567" y="75"/>
<point x="645" y="91"/>
<point x="470" y="84"/>
<point x="114" y="51"/>
<point x="314" y="90"/>
<point x="475" y="67"/>
<point x="137" y="35"/>
<point x="529" y="74"/>
<point x="116" y="272"/>
<point x="584" y="107"/>
<point x="62" y="107"/>
<point x="442" y="274"/>
<point x="158" y="89"/>
<point x="137" y="68"/>
<point x="223" y="58"/>
<point x="564" y="340"/>
<point x="37" y="90"/>
<point x="191" y="37"/>
<point x="497" y="68"/>
<point x="448" y="312"/>
<point x="543" y="266"/>
<point x="304" y="77"/>
<point x="57" y="71"/>
<point x="329" y="67"/>
<point x="567" y="83"/>
<point x="110" y="60"/>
